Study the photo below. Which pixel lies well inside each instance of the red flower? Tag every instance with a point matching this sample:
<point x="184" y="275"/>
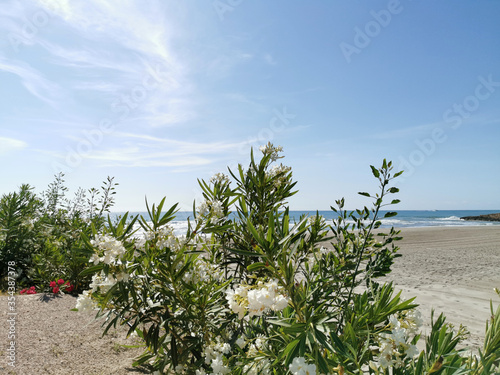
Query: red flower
<point x="70" y="288"/>
<point x="22" y="291"/>
<point x="52" y="284"/>
<point x="60" y="281"/>
<point x="55" y="290"/>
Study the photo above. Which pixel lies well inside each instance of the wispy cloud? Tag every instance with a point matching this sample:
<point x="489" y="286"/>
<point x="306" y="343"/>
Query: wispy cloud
<point x="223" y="65"/>
<point x="119" y="46"/>
<point x="142" y="150"/>
<point x="268" y="58"/>
<point x="140" y="27"/>
<point x="408" y="132"/>
<point x="39" y="86"/>
<point x="10" y="144"/>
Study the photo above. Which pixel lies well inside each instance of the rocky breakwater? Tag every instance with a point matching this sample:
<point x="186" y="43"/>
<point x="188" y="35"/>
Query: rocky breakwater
<point x="489" y="217"/>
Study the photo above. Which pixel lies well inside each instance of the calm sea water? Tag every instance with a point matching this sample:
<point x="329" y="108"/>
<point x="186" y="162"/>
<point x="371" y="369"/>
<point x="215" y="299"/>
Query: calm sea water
<point x="404" y="219"/>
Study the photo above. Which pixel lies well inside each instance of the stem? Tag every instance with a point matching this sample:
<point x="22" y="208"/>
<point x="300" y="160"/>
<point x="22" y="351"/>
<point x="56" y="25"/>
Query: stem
<point x="363" y="248"/>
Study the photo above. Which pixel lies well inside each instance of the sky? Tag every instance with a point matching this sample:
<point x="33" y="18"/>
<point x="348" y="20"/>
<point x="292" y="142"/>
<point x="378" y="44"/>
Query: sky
<point x="160" y="93"/>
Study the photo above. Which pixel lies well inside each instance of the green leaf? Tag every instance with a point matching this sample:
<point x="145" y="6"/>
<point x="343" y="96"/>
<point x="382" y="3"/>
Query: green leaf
<point x="390" y="214"/>
<point x="291" y="351"/>
<point x="375" y="171"/>
<point x="364" y="194"/>
<point x="246" y="253"/>
<point x="256" y="266"/>
<point x="92" y="270"/>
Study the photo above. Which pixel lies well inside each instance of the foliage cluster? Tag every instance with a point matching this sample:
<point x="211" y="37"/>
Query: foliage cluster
<point x="41" y="234"/>
<point x="246" y="291"/>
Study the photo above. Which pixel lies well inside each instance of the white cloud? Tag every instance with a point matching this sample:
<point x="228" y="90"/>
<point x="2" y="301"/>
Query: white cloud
<point x="268" y="58"/>
<point x="411" y="131"/>
<point x="141" y="150"/>
<point x="223" y="65"/>
<point x="39" y="86"/>
<point x="9" y="144"/>
<point x="139" y="26"/>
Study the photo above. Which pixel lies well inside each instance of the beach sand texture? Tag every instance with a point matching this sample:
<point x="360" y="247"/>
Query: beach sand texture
<point x="452" y="270"/>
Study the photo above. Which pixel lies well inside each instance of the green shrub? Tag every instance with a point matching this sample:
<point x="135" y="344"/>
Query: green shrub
<point x="42" y="234"/>
<point x="19" y="214"/>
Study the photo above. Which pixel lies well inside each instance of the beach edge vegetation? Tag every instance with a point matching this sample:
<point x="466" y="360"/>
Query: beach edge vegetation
<point x="254" y="292"/>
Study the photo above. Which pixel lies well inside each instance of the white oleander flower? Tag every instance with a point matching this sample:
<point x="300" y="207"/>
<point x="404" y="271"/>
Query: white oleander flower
<point x="394" y="346"/>
<point x="256" y="299"/>
<point x="300" y="367"/>
<point x="241" y="342"/>
<point x="215" y="207"/>
<point x="179" y="369"/>
<point x="218" y="209"/>
<point x="260" y="366"/>
<point x="236" y="302"/>
<point x="272" y="150"/>
<point x="279" y="174"/>
<point x="203" y="209"/>
<point x="218" y="366"/>
<point x="102" y="282"/>
<point x="85" y="302"/>
<point x="111" y="248"/>
<point x="219" y="178"/>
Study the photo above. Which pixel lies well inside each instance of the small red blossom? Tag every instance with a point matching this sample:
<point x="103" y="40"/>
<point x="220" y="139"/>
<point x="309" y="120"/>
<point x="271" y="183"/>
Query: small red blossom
<point x="55" y="290"/>
<point x="60" y="281"/>
<point x="31" y="290"/>
<point x="70" y="288"/>
<point x="52" y="284"/>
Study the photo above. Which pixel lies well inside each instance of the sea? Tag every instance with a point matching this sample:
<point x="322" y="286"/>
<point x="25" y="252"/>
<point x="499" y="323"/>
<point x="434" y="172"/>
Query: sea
<point x="403" y="219"/>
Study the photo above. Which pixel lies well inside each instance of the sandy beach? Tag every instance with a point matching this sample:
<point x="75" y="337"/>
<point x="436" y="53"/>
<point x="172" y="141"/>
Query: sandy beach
<point x="450" y="269"/>
<point x="453" y="270"/>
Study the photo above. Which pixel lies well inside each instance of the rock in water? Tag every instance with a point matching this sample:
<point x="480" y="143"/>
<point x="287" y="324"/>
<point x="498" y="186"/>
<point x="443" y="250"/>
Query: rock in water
<point x="489" y="217"/>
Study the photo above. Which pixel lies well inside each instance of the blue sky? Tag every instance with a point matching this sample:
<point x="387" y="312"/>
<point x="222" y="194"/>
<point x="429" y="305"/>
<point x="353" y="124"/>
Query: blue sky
<point x="160" y="93"/>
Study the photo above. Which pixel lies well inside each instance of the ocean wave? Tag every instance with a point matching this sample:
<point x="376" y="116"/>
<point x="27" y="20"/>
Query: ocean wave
<point x="448" y="218"/>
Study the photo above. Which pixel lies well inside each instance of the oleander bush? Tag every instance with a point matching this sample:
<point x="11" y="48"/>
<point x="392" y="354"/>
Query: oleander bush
<point x="41" y="234"/>
<point x="248" y="291"/>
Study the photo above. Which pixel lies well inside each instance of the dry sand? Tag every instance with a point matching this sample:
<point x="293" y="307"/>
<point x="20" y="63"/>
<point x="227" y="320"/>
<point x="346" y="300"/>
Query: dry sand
<point x="452" y="270"/>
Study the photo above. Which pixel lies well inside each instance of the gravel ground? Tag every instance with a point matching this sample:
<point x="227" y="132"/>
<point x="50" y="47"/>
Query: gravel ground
<point x="52" y="339"/>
